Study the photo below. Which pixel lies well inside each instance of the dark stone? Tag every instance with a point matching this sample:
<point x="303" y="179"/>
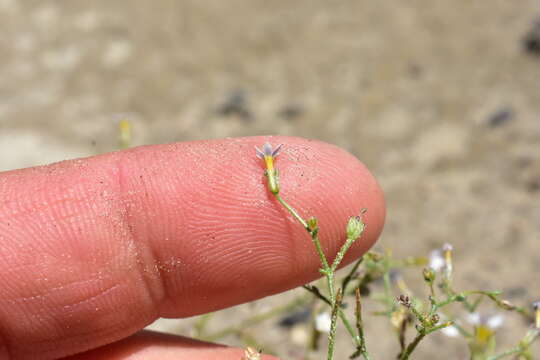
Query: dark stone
<point x="533" y="185"/>
<point x="294" y="318"/>
<point x="531" y="41"/>
<point x="236" y="104"/>
<point x="291" y="112"/>
<point x="500" y="117"/>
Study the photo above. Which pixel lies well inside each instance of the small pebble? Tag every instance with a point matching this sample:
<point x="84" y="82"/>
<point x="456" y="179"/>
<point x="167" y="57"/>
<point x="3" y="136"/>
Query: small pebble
<point x="533" y="185"/>
<point x="531" y="41"/>
<point x="235" y="104"/>
<point x="297" y="317"/>
<point x="291" y="112"/>
<point x="500" y="117"/>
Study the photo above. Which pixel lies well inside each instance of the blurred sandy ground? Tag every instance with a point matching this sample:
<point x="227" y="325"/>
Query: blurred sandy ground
<point x="438" y="98"/>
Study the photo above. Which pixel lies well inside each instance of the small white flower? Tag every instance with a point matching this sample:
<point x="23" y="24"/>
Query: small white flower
<point x="473" y="318"/>
<point x="440" y="259"/>
<point x="493" y="322"/>
<point x="447" y="247"/>
<point x="436" y="260"/>
<point x="450" y="331"/>
<point x="323" y="322"/>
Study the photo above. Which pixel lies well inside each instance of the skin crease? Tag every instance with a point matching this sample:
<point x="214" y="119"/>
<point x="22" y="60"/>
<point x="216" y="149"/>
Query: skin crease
<point x="92" y="250"/>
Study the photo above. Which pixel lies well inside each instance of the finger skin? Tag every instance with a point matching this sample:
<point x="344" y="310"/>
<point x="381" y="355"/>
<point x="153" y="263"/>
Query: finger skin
<point x="92" y="250"/>
<point x="148" y="345"/>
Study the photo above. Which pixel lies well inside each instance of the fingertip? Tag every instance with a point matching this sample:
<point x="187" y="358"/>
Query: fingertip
<point x="237" y="238"/>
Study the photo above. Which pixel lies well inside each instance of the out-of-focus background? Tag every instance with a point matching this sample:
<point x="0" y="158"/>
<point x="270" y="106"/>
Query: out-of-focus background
<point x="441" y="100"/>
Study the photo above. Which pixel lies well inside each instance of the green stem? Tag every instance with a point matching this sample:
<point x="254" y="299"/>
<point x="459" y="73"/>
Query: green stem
<point x="346" y="323"/>
<point x="315" y="291"/>
<point x="432" y="289"/>
<point x="292" y="211"/>
<point x="523" y="346"/>
<point x="330" y="283"/>
<point x="514" y="350"/>
<point x="333" y="326"/>
<point x="313" y="233"/>
<point x="326" y="270"/>
<point x="341" y="253"/>
<point x="408" y="351"/>
<point x="360" y="326"/>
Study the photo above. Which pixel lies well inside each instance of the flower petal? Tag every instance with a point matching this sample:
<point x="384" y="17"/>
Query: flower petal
<point x="259" y="153"/>
<point x="276" y="151"/>
<point x="267" y="149"/>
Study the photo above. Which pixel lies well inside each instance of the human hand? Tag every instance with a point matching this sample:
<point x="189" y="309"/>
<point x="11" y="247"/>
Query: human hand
<point x="93" y="250"/>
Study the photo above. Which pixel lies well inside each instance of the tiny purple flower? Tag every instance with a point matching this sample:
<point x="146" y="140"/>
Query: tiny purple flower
<point x="268" y="151"/>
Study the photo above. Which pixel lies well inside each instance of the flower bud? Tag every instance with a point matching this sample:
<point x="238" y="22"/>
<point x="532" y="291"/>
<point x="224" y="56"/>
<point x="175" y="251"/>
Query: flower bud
<point x="312" y="223"/>
<point x="429" y="275"/>
<point x="355" y="227"/>
<point x="536" y="307"/>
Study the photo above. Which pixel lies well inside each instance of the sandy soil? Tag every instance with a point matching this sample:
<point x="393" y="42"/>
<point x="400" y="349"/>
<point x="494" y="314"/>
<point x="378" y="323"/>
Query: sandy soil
<point x="439" y="99"/>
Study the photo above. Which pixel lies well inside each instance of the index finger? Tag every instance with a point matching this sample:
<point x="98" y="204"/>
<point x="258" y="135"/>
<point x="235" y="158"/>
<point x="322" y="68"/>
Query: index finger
<point x="94" y="249"/>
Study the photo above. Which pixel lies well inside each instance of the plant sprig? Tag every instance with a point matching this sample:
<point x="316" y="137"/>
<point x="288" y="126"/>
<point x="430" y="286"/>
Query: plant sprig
<point x="428" y="316"/>
<point x="355" y="228"/>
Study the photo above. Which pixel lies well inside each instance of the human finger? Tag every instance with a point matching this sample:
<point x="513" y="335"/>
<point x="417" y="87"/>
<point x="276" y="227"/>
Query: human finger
<point x="94" y="249"/>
